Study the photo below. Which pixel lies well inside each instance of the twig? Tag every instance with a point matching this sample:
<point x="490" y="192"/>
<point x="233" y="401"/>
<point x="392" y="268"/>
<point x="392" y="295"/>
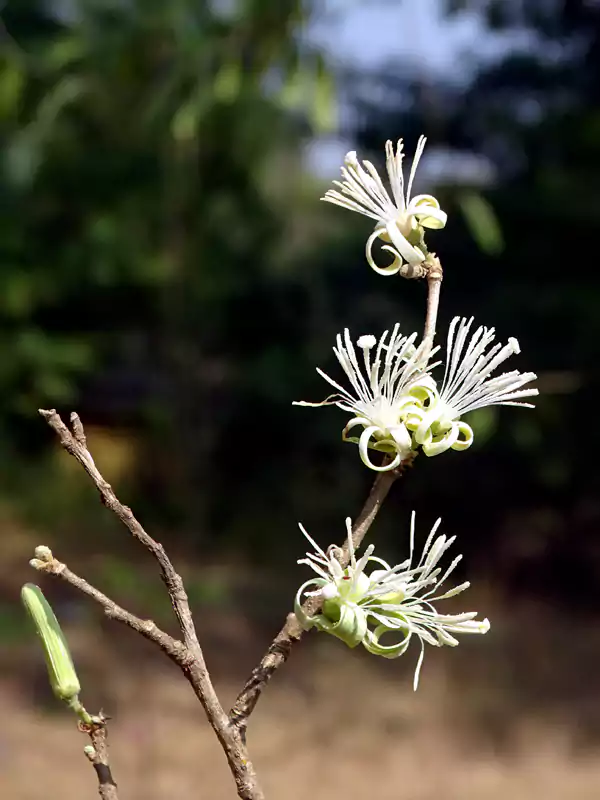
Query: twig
<point x="173" y="648"/>
<point x="291" y="632"/>
<point x="187" y="654"/>
<point x="97" y="755"/>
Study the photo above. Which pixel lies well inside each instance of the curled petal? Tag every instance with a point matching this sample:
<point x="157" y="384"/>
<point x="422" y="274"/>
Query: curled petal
<point x="307" y="622"/>
<point x="401" y="436"/>
<point x="465" y="436"/>
<point x="413" y="416"/>
<point x="396" y="264"/>
<point x="412" y="255"/>
<point x="423" y="392"/>
<point x="353" y="423"/>
<point x="426" y="209"/>
<point x="441" y="443"/>
<point x="435" y="220"/>
<point x="363" y="449"/>
<point x="372" y="644"/>
<point x="350" y="627"/>
<point x="420" y="200"/>
<point x="351" y="622"/>
<point x="423" y="433"/>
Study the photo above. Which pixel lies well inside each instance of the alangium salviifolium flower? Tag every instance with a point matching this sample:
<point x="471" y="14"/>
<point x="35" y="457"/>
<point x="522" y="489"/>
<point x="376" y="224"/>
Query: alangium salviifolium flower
<point x="400" y="219"/>
<point x="396" y="399"/>
<point x="361" y="605"/>
<point x="468" y="385"/>
<point x="388" y="393"/>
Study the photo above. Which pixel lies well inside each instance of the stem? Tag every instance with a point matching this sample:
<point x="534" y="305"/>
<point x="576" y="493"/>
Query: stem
<point x="434" y="286"/>
<point x="97" y="755"/>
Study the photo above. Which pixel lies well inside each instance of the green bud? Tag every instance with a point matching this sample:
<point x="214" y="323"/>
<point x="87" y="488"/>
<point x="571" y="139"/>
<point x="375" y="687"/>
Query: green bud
<point x="61" y="671"/>
<point x="331" y="610"/>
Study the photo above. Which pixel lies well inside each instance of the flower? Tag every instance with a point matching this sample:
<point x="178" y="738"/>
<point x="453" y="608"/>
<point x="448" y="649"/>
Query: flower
<point x="467" y="386"/>
<point x="397" y="401"/>
<point x="399" y="221"/>
<point x="389" y="391"/>
<point x="359" y="608"/>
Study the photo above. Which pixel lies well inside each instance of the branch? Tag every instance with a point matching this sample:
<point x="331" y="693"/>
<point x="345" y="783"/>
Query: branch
<point x="291" y="632"/>
<point x="97" y="755"/>
<point x="173" y="648"/>
<point x="188" y="654"/>
<point x="75" y="444"/>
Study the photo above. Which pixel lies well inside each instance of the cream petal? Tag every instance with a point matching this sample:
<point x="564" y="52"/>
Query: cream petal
<point x="409" y="253"/>
<point x="465" y="436"/>
<point x="423" y="433"/>
<point x="434" y="220"/>
<point x="306" y="621"/>
<point x="437" y="446"/>
<point x="371" y="643"/>
<point x="401" y="436"/>
<point x="426" y="209"/>
<point x="363" y="446"/>
<point x="392" y="268"/>
<point x="354" y="422"/>
<point x="423" y="200"/>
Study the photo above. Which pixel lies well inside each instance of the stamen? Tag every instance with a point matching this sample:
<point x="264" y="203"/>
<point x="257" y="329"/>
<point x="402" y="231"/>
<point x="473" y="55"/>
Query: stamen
<point x="366" y="342"/>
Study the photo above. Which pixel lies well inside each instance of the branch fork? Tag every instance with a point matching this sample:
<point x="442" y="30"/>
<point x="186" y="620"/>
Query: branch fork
<point x="230" y="728"/>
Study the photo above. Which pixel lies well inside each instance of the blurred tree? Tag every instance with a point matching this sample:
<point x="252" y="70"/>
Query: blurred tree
<point x="149" y="177"/>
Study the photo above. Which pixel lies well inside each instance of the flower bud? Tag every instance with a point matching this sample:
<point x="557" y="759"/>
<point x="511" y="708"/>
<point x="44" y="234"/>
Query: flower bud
<point x="61" y="671"/>
<point x="43" y="553"/>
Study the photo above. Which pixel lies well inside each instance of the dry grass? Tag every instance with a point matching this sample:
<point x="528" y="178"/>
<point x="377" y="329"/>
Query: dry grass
<point x="515" y="714"/>
<point x="331" y="727"/>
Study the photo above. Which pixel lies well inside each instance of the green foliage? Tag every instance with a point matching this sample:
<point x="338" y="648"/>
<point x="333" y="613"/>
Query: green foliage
<point x="482" y="222"/>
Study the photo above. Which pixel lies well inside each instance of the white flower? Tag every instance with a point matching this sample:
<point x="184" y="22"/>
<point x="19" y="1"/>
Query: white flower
<point x="392" y="600"/>
<point x="397" y="402"/>
<point x="468" y="386"/>
<point x="388" y="391"/>
<point x="400" y="221"/>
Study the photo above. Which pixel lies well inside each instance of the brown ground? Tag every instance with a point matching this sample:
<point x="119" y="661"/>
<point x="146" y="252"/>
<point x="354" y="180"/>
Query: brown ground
<point x="514" y="715"/>
<point x="334" y="726"/>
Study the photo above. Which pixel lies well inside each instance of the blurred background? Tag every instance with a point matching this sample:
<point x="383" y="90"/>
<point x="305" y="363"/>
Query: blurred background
<point x="167" y="270"/>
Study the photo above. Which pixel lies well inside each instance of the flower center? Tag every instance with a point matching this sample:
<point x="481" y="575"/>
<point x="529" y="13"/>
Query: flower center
<point x="406" y="224"/>
<point x="382" y="412"/>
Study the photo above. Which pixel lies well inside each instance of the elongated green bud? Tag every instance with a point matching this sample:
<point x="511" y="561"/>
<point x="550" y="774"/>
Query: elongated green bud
<point x="61" y="671"/>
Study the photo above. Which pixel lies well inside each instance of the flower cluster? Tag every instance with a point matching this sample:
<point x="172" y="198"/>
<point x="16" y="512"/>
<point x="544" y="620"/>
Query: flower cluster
<point x="398" y="403"/>
<point x="398" y="406"/>
<point x="400" y="220"/>
<point x="396" y="602"/>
